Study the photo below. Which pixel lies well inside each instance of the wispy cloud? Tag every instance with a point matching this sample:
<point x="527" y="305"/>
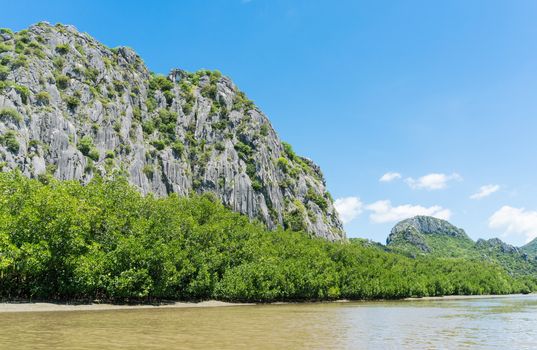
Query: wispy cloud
<point x="515" y="221"/>
<point x="349" y="208"/>
<point x="433" y="181"/>
<point x="485" y="191"/>
<point x="389" y="177"/>
<point x="383" y="211"/>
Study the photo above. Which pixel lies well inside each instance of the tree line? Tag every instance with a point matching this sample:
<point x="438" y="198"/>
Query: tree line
<point x="63" y="240"/>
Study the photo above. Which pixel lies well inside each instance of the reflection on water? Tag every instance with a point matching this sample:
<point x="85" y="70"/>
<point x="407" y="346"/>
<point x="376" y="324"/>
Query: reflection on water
<point x="499" y="323"/>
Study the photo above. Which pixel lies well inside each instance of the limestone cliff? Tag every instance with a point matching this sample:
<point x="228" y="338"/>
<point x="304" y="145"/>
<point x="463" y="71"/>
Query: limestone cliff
<point x="72" y="108"/>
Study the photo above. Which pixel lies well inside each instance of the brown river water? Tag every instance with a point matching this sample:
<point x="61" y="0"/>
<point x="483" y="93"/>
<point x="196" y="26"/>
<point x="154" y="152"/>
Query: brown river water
<point x="497" y="323"/>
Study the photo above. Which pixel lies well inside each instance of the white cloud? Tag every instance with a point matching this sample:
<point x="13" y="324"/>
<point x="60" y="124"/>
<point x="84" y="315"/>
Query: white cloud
<point x="348" y="208"/>
<point x="383" y="211"/>
<point x="518" y="221"/>
<point x="434" y="181"/>
<point x="388" y="177"/>
<point x="485" y="191"/>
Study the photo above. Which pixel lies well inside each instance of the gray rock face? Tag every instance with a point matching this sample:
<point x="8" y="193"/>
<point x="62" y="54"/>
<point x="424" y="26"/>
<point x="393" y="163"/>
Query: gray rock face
<point x="425" y="225"/>
<point x="73" y="108"/>
<point x="498" y="245"/>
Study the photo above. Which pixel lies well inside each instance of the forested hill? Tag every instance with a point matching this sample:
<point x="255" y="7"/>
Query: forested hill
<point x="74" y="108"/>
<point x="424" y="235"/>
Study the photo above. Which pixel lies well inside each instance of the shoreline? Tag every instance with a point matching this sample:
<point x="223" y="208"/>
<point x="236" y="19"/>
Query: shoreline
<point x="51" y="306"/>
<point x="463" y="297"/>
<point x="43" y="306"/>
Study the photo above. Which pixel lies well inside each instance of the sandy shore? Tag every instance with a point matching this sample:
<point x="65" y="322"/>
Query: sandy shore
<point x="43" y="306"/>
<point x="462" y="297"/>
<point x="36" y="307"/>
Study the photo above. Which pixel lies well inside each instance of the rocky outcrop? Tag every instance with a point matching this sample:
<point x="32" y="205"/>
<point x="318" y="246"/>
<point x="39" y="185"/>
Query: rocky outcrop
<point x="424" y="225"/>
<point x="72" y="108"/>
<point x="496" y="244"/>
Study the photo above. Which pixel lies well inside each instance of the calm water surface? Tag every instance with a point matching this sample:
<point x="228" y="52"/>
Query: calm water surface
<point x="496" y="323"/>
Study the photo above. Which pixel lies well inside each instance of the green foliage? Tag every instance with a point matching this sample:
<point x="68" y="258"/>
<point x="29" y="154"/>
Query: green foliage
<point x="110" y="154"/>
<point x="316" y="198"/>
<point x="10" y="113"/>
<point x="43" y="97"/>
<point x="283" y="164"/>
<point x="72" y="101"/>
<point x="5" y="48"/>
<point x="92" y="74"/>
<point x="178" y="148"/>
<point x="4" y="72"/>
<point x="148" y="170"/>
<point x="19" y="61"/>
<point x="245" y="151"/>
<point x="241" y="102"/>
<point x="137" y="114"/>
<point x="58" y="63"/>
<point x="62" y="81"/>
<point x="6" y="31"/>
<point x="23" y="91"/>
<point x="263" y="130"/>
<point x="151" y="104"/>
<point x="441" y="245"/>
<point x="9" y="140"/>
<point x="62" y="49"/>
<point x="160" y="82"/>
<point x="87" y="148"/>
<point x="158" y="144"/>
<point x="62" y="240"/>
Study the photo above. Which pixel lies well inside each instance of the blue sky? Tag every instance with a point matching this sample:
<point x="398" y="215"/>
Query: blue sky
<point x="364" y="88"/>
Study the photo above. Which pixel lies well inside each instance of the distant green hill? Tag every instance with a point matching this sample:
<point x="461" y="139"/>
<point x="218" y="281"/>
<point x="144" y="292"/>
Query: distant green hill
<point x="424" y="235"/>
<point x="530" y="249"/>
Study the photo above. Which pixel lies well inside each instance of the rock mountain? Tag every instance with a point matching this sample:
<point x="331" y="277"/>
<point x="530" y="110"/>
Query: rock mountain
<point x="425" y="235"/>
<point x="73" y="108"/>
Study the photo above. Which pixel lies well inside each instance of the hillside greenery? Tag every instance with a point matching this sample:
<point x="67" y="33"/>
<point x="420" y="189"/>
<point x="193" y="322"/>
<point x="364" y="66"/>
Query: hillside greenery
<point x="441" y="245"/>
<point x="63" y="240"/>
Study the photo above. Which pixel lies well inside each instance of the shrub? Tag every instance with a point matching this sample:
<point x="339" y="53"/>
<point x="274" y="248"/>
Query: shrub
<point x="91" y="74"/>
<point x="72" y="101"/>
<point x="283" y="164"/>
<point x="4" y="72"/>
<point x="19" y="61"/>
<point x="10" y="113"/>
<point x="5" y="48"/>
<point x="137" y="114"/>
<point x="160" y="82"/>
<point x="23" y="91"/>
<point x="109" y="154"/>
<point x="62" y="81"/>
<point x="187" y="107"/>
<point x="58" y="62"/>
<point x="219" y="146"/>
<point x="148" y="170"/>
<point x="9" y="140"/>
<point x="43" y="97"/>
<point x="87" y="148"/>
<point x="148" y="127"/>
<point x="317" y="199"/>
<point x="62" y="49"/>
<point x="94" y="154"/>
<point x="6" y="31"/>
<point x="178" y="148"/>
<point x="264" y="130"/>
<point x="158" y="144"/>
